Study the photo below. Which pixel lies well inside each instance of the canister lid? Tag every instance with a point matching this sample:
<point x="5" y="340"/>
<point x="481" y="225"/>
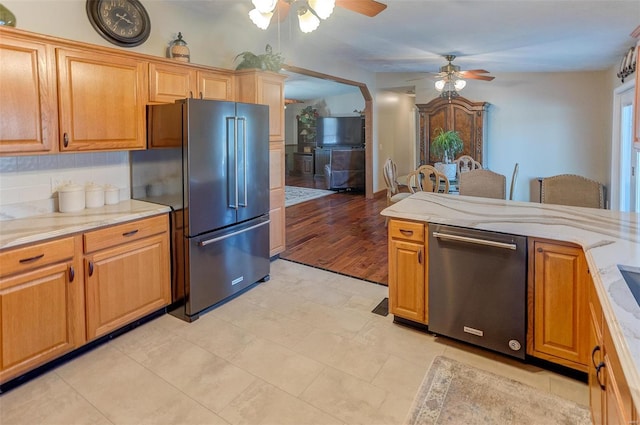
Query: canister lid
<point x="92" y="187"/>
<point x="70" y="187"/>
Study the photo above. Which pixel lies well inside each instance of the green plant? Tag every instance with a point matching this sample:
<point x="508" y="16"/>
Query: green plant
<point x="268" y="61"/>
<point x="446" y="144"/>
<point x="307" y="118"/>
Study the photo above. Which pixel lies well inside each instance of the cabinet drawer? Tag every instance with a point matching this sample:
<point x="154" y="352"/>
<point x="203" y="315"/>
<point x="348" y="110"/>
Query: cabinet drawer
<point x="35" y="256"/>
<point x="408" y="230"/>
<point x="123" y="233"/>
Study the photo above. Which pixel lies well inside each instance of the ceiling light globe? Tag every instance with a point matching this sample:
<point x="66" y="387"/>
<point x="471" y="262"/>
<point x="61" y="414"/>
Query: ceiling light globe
<point x="308" y="21"/>
<point x="265" y="6"/>
<point x="440" y="85"/>
<point x="323" y="8"/>
<point x="459" y="84"/>
<point x="261" y="20"/>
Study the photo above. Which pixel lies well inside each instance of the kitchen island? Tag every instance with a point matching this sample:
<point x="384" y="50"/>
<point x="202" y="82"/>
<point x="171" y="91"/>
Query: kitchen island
<point x="608" y="239"/>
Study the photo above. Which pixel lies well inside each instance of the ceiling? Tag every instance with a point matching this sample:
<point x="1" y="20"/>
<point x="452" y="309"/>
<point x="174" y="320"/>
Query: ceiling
<point x="411" y="36"/>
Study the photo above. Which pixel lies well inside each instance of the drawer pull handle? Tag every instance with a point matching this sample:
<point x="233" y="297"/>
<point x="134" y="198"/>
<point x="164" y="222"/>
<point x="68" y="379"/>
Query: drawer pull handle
<point x="72" y="274"/>
<point x="406" y="232"/>
<point x="131" y="233"/>
<point x="90" y="268"/>
<point x="420" y="256"/>
<point x="598" y="369"/>
<point x="65" y="140"/>
<point x="593" y="353"/>
<point x="31" y="259"/>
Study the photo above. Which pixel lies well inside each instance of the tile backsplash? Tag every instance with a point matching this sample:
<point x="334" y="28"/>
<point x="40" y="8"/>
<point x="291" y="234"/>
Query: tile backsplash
<point x="32" y="180"/>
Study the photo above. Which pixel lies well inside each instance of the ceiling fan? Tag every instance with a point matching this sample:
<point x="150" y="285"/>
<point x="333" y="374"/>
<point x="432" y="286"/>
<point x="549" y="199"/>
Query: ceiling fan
<point x="309" y="12"/>
<point x="451" y="71"/>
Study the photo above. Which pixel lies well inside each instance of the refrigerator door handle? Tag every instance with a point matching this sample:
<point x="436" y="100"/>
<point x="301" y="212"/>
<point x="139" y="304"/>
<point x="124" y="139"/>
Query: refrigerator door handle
<point x="232" y="149"/>
<point x="220" y="238"/>
<point x="243" y="121"/>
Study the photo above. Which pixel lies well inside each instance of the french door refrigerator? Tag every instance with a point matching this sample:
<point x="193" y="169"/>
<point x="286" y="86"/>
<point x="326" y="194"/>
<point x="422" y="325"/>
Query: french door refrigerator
<point x="209" y="160"/>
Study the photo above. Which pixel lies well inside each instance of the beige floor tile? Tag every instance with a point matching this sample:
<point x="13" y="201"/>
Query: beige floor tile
<point x="570" y="389"/>
<point x="47" y="400"/>
<point x="201" y="375"/>
<point x="264" y="404"/>
<point x="128" y="393"/>
<point x="348" y="398"/>
<point x="393" y="410"/>
<point x="343" y="321"/>
<point x="278" y="365"/>
<point x="401" y="377"/>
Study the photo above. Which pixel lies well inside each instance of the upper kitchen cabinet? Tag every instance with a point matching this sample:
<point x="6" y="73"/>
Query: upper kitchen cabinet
<point x="28" y="106"/>
<point x="102" y="100"/>
<point x="170" y="82"/>
<point x="266" y="88"/>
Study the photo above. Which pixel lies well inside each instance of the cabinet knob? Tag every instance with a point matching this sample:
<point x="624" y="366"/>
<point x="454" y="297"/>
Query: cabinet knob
<point x="540" y="250"/>
<point x="90" y="268"/>
<point x="420" y="256"/>
<point x="72" y="274"/>
<point x="65" y="140"/>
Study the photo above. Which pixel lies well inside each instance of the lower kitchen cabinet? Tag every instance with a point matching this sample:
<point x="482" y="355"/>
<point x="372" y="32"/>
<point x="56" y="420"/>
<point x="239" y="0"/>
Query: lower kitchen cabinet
<point x="408" y="270"/>
<point x="41" y="305"/>
<point x="127" y="273"/>
<point x="609" y="393"/>
<point x="558" y="296"/>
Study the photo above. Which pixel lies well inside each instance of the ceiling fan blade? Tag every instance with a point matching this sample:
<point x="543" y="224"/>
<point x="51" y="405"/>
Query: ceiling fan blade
<point x="475" y="71"/>
<point x="282" y="10"/>
<point x="365" y="7"/>
<point x="479" y="77"/>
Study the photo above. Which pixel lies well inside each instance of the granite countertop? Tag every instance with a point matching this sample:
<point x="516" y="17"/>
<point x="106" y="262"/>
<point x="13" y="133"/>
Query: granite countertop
<point x="607" y="237"/>
<point x="36" y="228"/>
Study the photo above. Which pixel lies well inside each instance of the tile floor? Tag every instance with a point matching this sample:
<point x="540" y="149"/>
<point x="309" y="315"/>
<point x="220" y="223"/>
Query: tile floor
<point x="302" y="348"/>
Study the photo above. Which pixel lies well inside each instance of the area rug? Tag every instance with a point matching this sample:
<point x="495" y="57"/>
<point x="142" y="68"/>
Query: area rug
<point x="295" y="195"/>
<point x="455" y="393"/>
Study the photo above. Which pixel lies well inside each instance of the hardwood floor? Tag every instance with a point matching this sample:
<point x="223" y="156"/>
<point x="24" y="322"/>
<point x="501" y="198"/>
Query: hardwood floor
<point x="343" y="233"/>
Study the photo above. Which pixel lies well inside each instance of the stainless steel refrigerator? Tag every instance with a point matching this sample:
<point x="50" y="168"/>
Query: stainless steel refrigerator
<point x="209" y="161"/>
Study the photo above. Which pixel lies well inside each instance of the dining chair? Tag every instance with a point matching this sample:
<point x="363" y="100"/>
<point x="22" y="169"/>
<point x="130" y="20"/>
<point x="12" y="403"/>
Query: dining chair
<point x="426" y="178"/>
<point x="466" y="163"/>
<point x="483" y="183"/>
<point x="514" y="178"/>
<point x="391" y="180"/>
<point x="572" y="190"/>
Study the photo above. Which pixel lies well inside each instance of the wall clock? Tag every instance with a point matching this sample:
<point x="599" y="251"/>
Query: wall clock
<point x="121" y="22"/>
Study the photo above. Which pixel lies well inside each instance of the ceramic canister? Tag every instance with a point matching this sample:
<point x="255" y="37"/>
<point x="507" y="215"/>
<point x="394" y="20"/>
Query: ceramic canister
<point x="94" y="195"/>
<point x="70" y="198"/>
<point x="111" y="195"/>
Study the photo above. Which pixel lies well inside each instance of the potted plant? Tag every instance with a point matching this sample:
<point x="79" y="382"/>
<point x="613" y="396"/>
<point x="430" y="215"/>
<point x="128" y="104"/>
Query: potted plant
<point x="446" y="144"/>
<point x="268" y="61"/>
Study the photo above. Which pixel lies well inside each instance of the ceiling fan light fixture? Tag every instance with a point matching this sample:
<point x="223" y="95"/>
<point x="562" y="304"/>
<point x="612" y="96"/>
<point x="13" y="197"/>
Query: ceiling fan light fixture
<point x="322" y="8"/>
<point x="459" y="84"/>
<point x="260" y="19"/>
<point x="307" y="20"/>
<point x="440" y="85"/>
<point x="265" y="6"/>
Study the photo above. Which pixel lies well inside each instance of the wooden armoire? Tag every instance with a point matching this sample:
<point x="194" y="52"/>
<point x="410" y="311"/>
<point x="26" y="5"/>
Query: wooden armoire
<point x="460" y="114"/>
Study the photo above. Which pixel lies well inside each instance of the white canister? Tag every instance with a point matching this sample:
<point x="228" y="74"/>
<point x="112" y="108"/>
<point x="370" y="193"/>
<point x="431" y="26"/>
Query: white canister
<point x="70" y="198"/>
<point x="111" y="195"/>
<point x="94" y="195"/>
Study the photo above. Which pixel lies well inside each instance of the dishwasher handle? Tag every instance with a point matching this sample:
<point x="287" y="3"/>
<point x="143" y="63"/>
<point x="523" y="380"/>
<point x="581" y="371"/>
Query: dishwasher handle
<point x="467" y="239"/>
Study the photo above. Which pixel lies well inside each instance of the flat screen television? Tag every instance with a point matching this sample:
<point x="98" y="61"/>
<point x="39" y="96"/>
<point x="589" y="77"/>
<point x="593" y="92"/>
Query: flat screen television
<point x="339" y="131"/>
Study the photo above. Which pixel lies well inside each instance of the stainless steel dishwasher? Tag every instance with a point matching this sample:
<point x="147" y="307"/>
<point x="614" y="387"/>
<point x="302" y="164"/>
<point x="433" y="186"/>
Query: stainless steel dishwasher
<point x="477" y="287"/>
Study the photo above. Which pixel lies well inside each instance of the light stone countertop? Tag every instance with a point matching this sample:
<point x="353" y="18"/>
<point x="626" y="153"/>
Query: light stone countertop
<point x="36" y="228"/>
<point x="607" y="237"/>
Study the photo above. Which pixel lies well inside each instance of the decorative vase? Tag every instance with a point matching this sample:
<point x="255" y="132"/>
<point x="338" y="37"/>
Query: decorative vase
<point x="178" y="49"/>
<point x="6" y="17"/>
<point x="448" y="170"/>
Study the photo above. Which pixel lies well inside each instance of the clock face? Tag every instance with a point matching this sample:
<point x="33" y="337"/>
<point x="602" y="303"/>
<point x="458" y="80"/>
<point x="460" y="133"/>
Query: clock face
<point x="122" y="22"/>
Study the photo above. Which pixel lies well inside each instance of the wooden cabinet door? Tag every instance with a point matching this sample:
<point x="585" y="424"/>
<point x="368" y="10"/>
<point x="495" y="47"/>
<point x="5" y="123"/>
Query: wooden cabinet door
<point x="407" y="271"/>
<point x="266" y="88"/>
<point x="168" y="83"/>
<point x="125" y="283"/>
<point x="102" y="101"/>
<point x="277" y="231"/>
<point x="596" y="375"/>
<point x="560" y="304"/>
<point x="215" y="85"/>
<point x="41" y="317"/>
<point x="28" y="104"/>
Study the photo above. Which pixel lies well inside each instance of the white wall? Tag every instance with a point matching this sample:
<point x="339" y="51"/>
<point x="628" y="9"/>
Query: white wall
<point x="549" y="123"/>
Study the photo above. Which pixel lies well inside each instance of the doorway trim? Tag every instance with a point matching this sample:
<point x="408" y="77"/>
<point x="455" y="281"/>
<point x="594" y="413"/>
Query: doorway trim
<point x="368" y="118"/>
<point x="614" y="201"/>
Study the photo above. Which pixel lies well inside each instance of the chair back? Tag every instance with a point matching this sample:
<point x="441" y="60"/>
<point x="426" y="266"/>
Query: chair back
<point x="429" y="180"/>
<point x="483" y="183"/>
<point x="573" y="190"/>
<point x="466" y="163"/>
<point x="514" y="178"/>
